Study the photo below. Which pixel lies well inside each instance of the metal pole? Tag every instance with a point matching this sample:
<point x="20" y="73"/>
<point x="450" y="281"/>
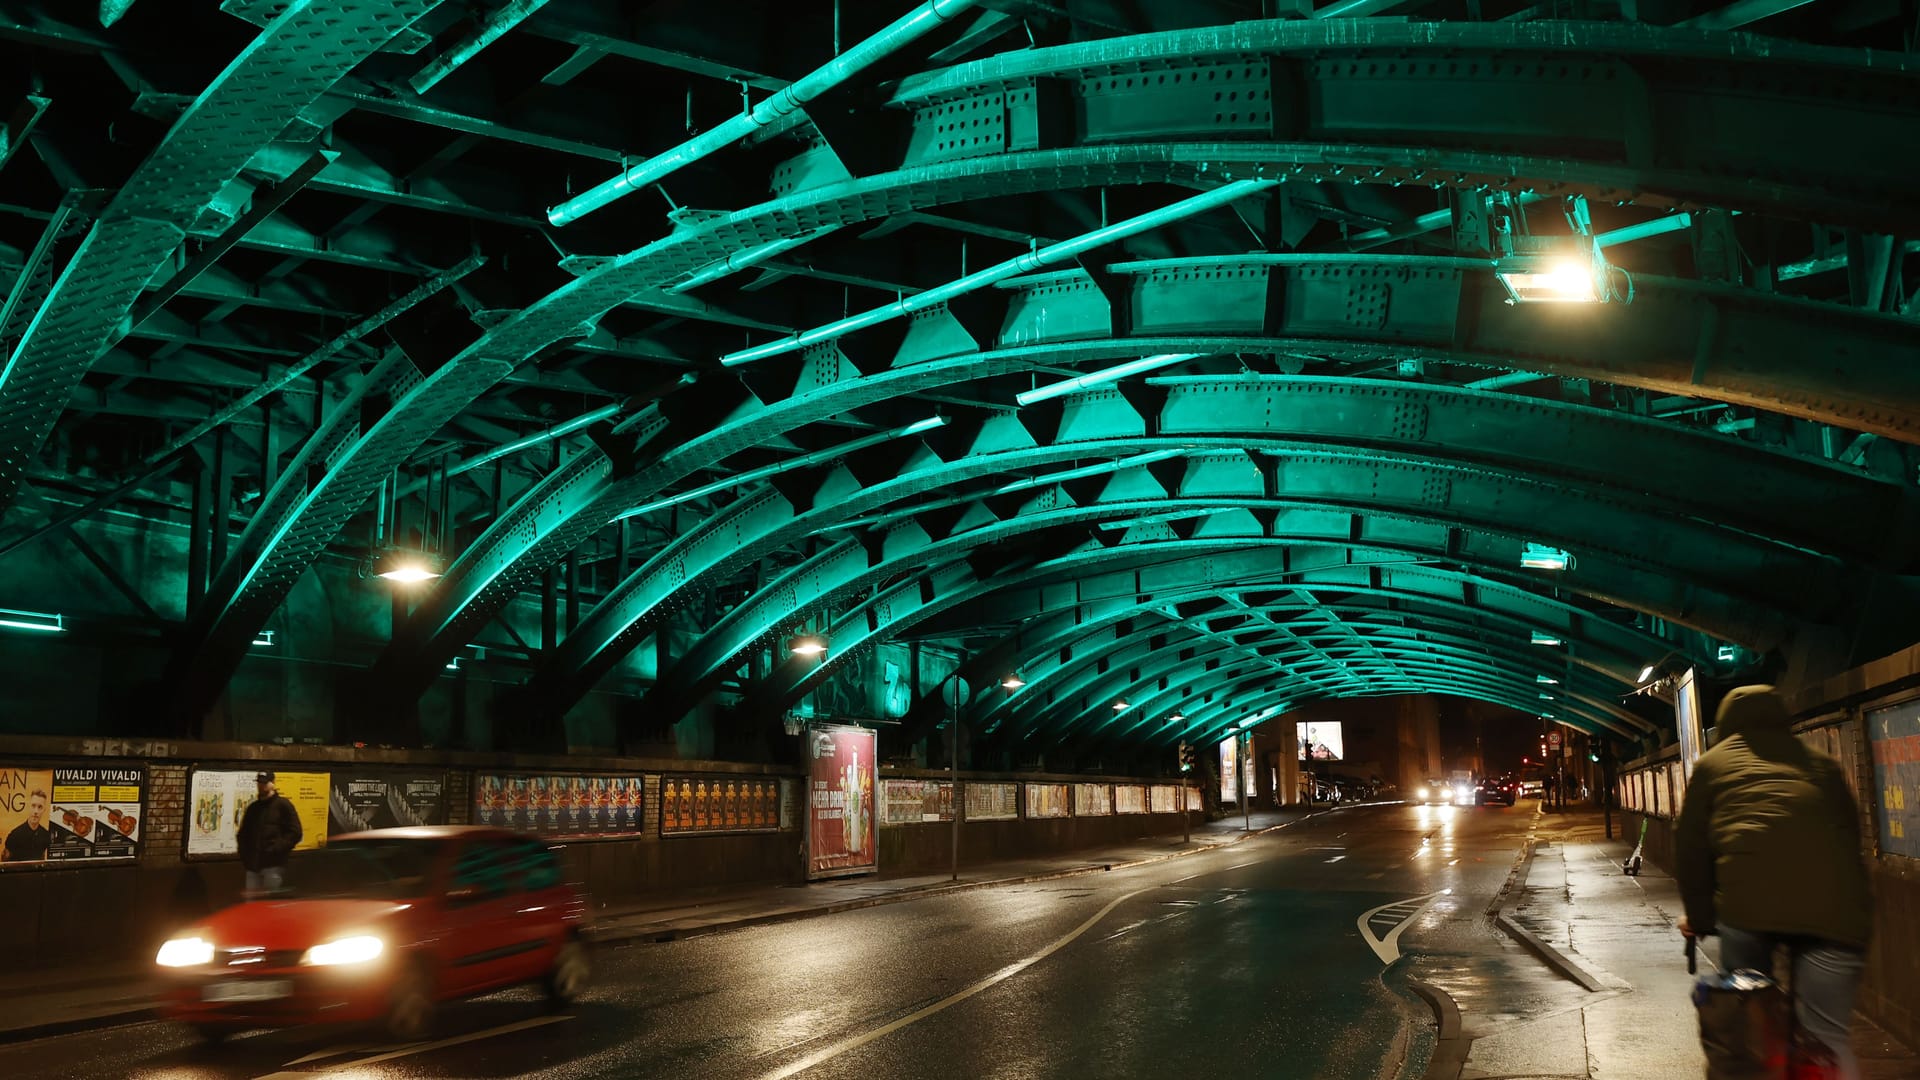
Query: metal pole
<point x="953" y="777"/>
<point x="1240" y="766"/>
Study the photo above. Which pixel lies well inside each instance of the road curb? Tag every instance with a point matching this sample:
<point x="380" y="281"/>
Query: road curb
<point x="1531" y="941"/>
<point x="1451" y="1047"/>
<point x="69" y="1027"/>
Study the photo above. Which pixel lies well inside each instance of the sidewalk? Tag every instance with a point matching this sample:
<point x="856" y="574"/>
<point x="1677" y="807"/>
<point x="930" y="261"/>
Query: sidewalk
<point x="36" y="1004"/>
<point x="1615" y="937"/>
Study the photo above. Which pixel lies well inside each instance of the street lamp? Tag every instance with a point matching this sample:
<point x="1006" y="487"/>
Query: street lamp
<point x="808" y="645"/>
<point x="1013" y="682"/>
<point x="405" y="567"/>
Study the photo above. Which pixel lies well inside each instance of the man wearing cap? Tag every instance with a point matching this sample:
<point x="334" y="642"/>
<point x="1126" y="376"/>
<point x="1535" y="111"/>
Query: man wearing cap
<point x="268" y="832"/>
<point x="1767" y="854"/>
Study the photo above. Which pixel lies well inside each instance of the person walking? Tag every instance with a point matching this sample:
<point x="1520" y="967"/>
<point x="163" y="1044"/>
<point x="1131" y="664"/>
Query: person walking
<point x="1767" y="854"/>
<point x="269" y="831"/>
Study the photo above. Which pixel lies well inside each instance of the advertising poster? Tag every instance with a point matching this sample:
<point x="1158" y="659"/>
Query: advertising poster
<point x="66" y="815"/>
<point x="376" y="799"/>
<point x="1092" y="800"/>
<point x="218" y="798"/>
<point x="1049" y="801"/>
<point x="1194" y="800"/>
<point x="914" y="801"/>
<point x="1894" y="735"/>
<point x="993" y="802"/>
<point x="1163" y="799"/>
<point x="1320" y="740"/>
<point x="559" y="806"/>
<point x="840" y="811"/>
<point x="1129" y="798"/>
<point x="708" y="804"/>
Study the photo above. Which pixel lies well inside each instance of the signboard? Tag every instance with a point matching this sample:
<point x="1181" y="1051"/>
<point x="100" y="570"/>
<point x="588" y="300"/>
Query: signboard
<point x="992" y="802"/>
<point x="1163" y="799"/>
<point x="710" y="804"/>
<point x="1049" y="801"/>
<point x="840" y="811"/>
<point x="560" y="806"/>
<point x="1194" y="800"/>
<point x="68" y="815"/>
<point x="218" y="798"/>
<point x="1092" y="800"/>
<point x="379" y="799"/>
<point x="1553" y="739"/>
<point x="914" y="801"/>
<point x="1686" y="715"/>
<point x="1229" y="778"/>
<point x="1894" y="735"/>
<point x="1129" y="799"/>
<point x="1320" y="740"/>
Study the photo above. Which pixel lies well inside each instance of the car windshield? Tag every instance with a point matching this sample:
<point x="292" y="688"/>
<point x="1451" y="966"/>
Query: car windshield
<point x="374" y="869"/>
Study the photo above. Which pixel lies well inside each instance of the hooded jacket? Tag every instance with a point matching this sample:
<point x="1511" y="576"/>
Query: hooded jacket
<point x="1769" y="835"/>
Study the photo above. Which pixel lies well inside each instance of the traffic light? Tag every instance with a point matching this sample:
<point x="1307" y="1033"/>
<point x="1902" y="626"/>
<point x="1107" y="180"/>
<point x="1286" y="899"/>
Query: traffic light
<point x="1591" y="756"/>
<point x="1186" y="758"/>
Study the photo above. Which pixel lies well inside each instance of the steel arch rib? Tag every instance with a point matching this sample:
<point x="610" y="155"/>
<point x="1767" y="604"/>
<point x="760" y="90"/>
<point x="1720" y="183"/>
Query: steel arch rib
<point x="298" y="56"/>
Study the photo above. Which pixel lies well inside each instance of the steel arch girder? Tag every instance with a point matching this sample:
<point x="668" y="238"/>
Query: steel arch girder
<point x="1092" y="692"/>
<point x="846" y="566"/>
<point x="1414" y="602"/>
<point x="1519" y="87"/>
<point x="240" y="113"/>
<point x="1001" y="713"/>
<point x="794" y="678"/>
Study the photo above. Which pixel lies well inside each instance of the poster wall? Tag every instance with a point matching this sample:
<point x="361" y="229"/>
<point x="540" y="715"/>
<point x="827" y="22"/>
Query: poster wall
<point x="1092" y="800"/>
<point x="913" y="801"/>
<point x="1163" y="799"/>
<point x="1049" y="801"/>
<point x="562" y="807"/>
<point x="1894" y="735"/>
<point x="218" y="798"/>
<point x="840" y="811"/>
<point x="710" y="804"/>
<point x="1129" y="798"/>
<point x="385" y="799"/>
<point x="61" y="815"/>
<point x="992" y="802"/>
<point x="1194" y="799"/>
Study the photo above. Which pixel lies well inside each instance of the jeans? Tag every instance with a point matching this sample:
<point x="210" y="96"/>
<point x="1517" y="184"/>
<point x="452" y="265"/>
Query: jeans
<point x="262" y="882"/>
<point x="1826" y="977"/>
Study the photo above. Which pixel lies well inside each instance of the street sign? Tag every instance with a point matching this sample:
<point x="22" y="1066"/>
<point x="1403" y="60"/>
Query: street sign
<point x="1553" y="739"/>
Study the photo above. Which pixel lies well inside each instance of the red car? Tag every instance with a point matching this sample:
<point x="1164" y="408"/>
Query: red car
<point x="381" y="927"/>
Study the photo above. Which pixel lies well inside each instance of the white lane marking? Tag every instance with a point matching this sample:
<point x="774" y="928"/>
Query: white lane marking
<point x="427" y="1047"/>
<point x="1388" y="948"/>
<point x="351" y="1048"/>
<point x="1237" y="866"/>
<point x="1189" y="877"/>
<point x="1336" y="858"/>
<point x="1005" y="973"/>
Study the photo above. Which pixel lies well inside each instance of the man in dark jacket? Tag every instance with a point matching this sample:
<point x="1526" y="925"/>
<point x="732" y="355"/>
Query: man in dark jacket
<point x="268" y="832"/>
<point x="1767" y="853"/>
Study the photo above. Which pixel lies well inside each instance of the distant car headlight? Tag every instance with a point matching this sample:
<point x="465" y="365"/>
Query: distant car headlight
<point x="358" y="949"/>
<point x="1461" y="794"/>
<point x="185" y="952"/>
<point x="1424" y="793"/>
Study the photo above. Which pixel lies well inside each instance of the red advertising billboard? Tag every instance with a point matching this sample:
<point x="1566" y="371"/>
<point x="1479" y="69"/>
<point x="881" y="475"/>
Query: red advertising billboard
<point x="840" y="817"/>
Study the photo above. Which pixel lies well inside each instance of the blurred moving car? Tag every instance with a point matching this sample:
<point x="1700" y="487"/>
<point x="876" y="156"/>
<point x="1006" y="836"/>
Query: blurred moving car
<point x="382" y="927"/>
<point x="1533" y="789"/>
<point x="1491" y="791"/>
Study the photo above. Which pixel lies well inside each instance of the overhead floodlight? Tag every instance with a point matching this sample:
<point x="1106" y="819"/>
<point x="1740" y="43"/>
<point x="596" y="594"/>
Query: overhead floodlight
<point x="1176" y="718"/>
<point x="44" y="622"/>
<point x="1727" y="654"/>
<point x="405" y="567"/>
<point x="264" y="637"/>
<point x="808" y="645"/>
<point x="1013" y="682"/>
<point x="1119" y="705"/>
<point x="1646" y="673"/>
<point x="1546" y="680"/>
<point x="1542" y="557"/>
<point x="1558" y="270"/>
<point x="1544" y="639"/>
<point x="453" y="664"/>
<point x="1546" y="696"/>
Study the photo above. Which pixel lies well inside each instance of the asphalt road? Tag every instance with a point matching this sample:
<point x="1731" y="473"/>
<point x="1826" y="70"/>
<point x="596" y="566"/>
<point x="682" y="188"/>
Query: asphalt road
<point x="1265" y="958"/>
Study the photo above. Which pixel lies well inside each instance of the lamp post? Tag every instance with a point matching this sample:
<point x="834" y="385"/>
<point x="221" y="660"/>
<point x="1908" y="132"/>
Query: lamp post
<point x="957" y="694"/>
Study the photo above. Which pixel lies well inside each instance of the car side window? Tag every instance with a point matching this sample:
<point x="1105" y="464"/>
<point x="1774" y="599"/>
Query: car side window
<point x="535" y="865"/>
<point x="485" y="867"/>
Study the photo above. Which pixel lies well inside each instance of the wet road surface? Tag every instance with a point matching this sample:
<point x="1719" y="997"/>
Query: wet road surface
<point x="1265" y="958"/>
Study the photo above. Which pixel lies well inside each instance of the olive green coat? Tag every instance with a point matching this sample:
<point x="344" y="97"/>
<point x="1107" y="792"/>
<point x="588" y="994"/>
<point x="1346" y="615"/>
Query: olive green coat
<point x="1769" y="835"/>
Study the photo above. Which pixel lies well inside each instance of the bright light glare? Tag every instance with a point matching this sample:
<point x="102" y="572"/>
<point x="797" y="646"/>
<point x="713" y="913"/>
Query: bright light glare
<point x="809" y="647"/>
<point x="1544" y="639"/>
<point x="32" y="620"/>
<point x="185" y="952"/>
<point x="1646" y="673"/>
<point x="409" y="574"/>
<point x="1013" y="682"/>
<point x="352" y="950"/>
<point x="1424" y="793"/>
<point x="1563" y="282"/>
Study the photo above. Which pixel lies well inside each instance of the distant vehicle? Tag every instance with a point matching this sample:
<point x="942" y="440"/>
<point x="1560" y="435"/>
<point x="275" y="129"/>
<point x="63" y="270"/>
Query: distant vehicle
<point x="1491" y="791"/>
<point x="1443" y="793"/>
<point x="382" y="927"/>
<point x="1533" y="789"/>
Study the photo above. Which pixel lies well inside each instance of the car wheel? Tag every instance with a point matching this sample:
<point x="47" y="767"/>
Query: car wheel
<point x="410" y="1007"/>
<point x="567" y="979"/>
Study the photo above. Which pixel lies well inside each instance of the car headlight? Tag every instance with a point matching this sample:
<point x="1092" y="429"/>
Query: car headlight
<point x="358" y="949"/>
<point x="1461" y="794"/>
<point x="185" y="952"/>
<point x="1424" y="793"/>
